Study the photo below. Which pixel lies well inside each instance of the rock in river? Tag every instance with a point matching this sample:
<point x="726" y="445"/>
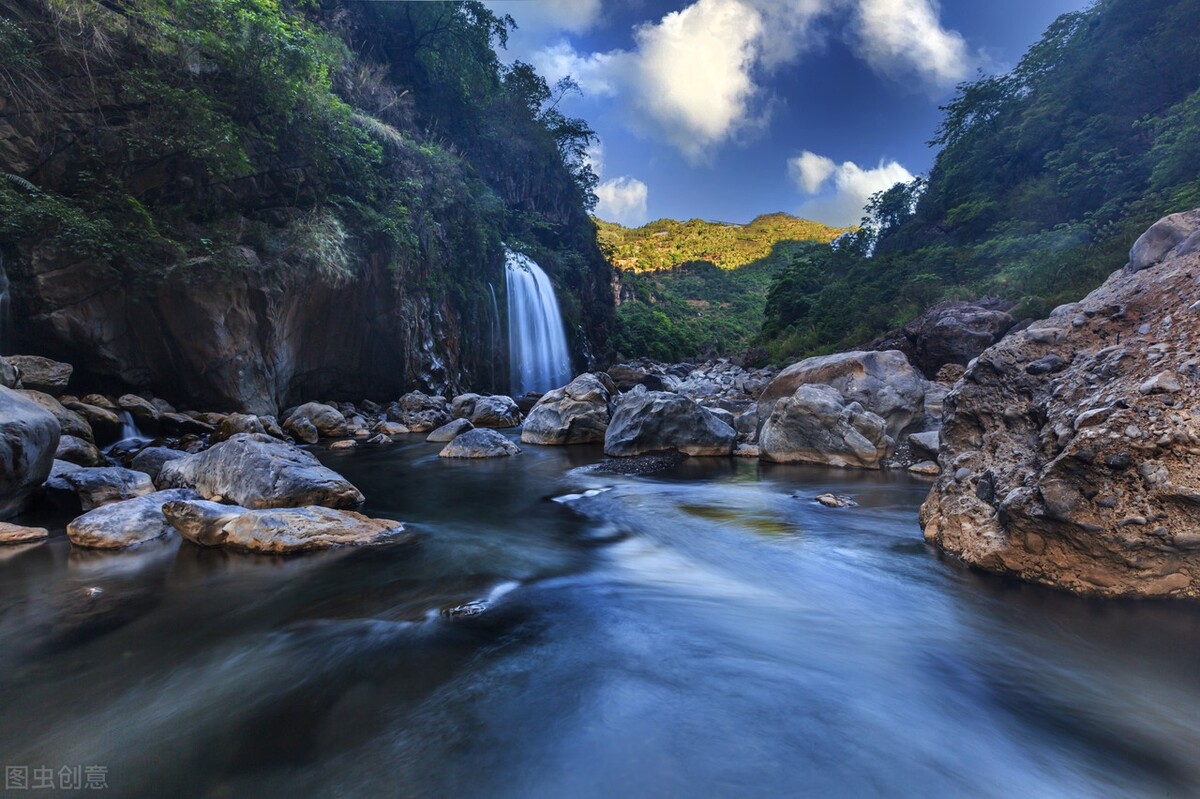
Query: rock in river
<point x="577" y="413"/>
<point x="126" y="523"/>
<point x="659" y="421"/>
<point x="279" y="531"/>
<point x="480" y="443"/>
<point x="28" y="439"/>
<point x="817" y="425"/>
<point x="97" y="487"/>
<point x="258" y="471"/>
<point x="449" y="431"/>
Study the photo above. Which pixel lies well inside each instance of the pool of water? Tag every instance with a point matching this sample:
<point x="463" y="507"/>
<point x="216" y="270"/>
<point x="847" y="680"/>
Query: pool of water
<point x="560" y="632"/>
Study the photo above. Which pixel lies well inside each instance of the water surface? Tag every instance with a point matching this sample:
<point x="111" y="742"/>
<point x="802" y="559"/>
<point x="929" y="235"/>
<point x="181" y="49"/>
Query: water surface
<point x="558" y="632"/>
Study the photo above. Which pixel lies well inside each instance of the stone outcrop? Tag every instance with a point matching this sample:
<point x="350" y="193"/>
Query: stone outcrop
<point x="127" y="523"/>
<point x="480" y="443"/>
<point x="1085" y="474"/>
<point x="257" y="471"/>
<point x="41" y="374"/>
<point x="884" y="383"/>
<point x="577" y="413"/>
<point x="29" y="437"/>
<point x="280" y="531"/>
<point x="950" y="333"/>
<point x="817" y="425"/>
<point x="102" y="486"/>
<point x="658" y="421"/>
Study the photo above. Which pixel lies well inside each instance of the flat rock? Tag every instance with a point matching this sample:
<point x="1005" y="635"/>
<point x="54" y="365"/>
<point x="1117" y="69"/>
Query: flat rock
<point x="258" y="471"/>
<point x="281" y="531"/>
<point x="42" y="374"/>
<point x="449" y="431"/>
<point x="126" y="523"/>
<point x="11" y="534"/>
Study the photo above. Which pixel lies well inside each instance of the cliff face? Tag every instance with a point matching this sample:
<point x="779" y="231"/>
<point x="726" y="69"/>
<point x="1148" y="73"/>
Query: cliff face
<point x="1070" y="451"/>
<point x="170" y="225"/>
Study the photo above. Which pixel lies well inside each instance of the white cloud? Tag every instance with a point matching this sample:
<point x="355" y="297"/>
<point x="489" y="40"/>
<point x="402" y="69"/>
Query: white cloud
<point x="904" y="37"/>
<point x="542" y="16"/>
<point x="598" y="74"/>
<point x="623" y="200"/>
<point x="843" y="189"/>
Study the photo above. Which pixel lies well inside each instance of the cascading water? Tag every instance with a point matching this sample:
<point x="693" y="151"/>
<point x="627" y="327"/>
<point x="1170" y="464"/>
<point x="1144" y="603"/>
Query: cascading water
<point x="537" y="343"/>
<point x="494" y="332"/>
<point x="129" y="428"/>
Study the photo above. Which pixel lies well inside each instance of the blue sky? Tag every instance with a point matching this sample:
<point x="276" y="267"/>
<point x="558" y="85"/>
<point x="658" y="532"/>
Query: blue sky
<point x="727" y="109"/>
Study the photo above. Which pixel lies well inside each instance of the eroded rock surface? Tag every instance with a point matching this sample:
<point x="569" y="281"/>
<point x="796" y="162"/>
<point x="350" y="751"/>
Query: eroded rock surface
<point x="577" y="413"/>
<point x="658" y="421"/>
<point x="1086" y="475"/>
<point x="817" y="425"/>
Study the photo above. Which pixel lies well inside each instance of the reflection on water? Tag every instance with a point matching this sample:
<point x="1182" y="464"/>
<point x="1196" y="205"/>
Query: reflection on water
<point x="712" y="631"/>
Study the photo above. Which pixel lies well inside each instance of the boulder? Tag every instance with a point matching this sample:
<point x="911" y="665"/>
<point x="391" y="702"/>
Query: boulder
<point x="258" y="471"/>
<point x="10" y="376"/>
<point x="1083" y="476"/>
<point x="949" y="334"/>
<point x="101" y="401"/>
<point x="479" y="443"/>
<point x="127" y="523"/>
<point x="328" y="421"/>
<point x="487" y="411"/>
<point x="236" y="423"/>
<point x="29" y="437"/>
<point x="449" y="431"/>
<point x="41" y="374"/>
<point x="925" y="445"/>
<point x="818" y="425"/>
<point x="69" y="422"/>
<point x="77" y="451"/>
<point x="283" y="531"/>
<point x="144" y="412"/>
<point x="626" y="377"/>
<point x="1164" y="236"/>
<point x="658" y="421"/>
<point x="201" y="521"/>
<point x="884" y="383"/>
<point x="11" y="534"/>
<point x="578" y="413"/>
<point x="304" y="431"/>
<point x="151" y="459"/>
<point x="386" y="428"/>
<point x="102" y="486"/>
<point x="105" y="424"/>
<point x="419" y="412"/>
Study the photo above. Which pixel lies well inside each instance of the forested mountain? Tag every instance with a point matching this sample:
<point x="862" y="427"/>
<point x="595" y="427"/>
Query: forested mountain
<point x="1044" y="178"/>
<point x="696" y="288"/>
<point x="246" y="201"/>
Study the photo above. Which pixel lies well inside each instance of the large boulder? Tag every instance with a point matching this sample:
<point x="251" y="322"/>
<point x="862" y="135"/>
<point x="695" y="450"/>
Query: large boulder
<point x="77" y="451"/>
<point x="1162" y="238"/>
<point x="10" y="376"/>
<point x="279" y="531"/>
<point x="236" y="423"/>
<point x="41" y="374"/>
<point x="104" y="422"/>
<point x="126" y="523"/>
<point x="479" y="443"/>
<point x="627" y="377"/>
<point x="817" y="425"/>
<point x="950" y="333"/>
<point x="29" y="437"/>
<point x="419" y="412"/>
<point x="144" y="412"/>
<point x="659" y="421"/>
<point x="258" y="471"/>
<point x="69" y="422"/>
<point x="1068" y="449"/>
<point x="102" y="486"/>
<point x="327" y="420"/>
<point x="486" y="411"/>
<point x="151" y="459"/>
<point x="884" y="383"/>
<point x="577" y="413"/>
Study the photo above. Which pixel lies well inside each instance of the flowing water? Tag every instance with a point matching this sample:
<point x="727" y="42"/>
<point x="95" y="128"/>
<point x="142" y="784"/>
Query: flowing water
<point x="706" y="632"/>
<point x="537" y="342"/>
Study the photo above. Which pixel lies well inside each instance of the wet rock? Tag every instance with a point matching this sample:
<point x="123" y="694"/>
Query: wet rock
<point x="835" y="501"/>
<point x="102" y="486"/>
<point x="479" y="443"/>
<point x="143" y="411"/>
<point x="1081" y="476"/>
<point x="41" y="374"/>
<point x="236" y="423"/>
<point x="258" y="471"/>
<point x="281" y="531"/>
<point x="327" y="420"/>
<point x="747" y="451"/>
<point x="578" y="413"/>
<point x="105" y="424"/>
<point x="151" y="459"/>
<point x="69" y="422"/>
<point x="925" y="468"/>
<point x="419" y="412"/>
<point x="386" y="428"/>
<point x="486" y="411"/>
<point x="883" y="383"/>
<point x="126" y="523"/>
<point x="449" y="431"/>
<point x="344" y="445"/>
<point x="817" y="425"/>
<point x="29" y="437"/>
<point x="12" y="534"/>
<point x="656" y="421"/>
<point x="77" y="451"/>
<point x="304" y="431"/>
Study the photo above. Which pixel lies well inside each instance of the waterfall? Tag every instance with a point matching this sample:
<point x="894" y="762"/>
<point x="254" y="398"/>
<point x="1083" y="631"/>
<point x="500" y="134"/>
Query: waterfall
<point x="129" y="428"/>
<point x="494" y="331"/>
<point x="537" y="343"/>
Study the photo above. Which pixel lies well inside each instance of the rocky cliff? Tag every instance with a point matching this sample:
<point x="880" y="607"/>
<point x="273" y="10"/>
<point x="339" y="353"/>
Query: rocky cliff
<point x="244" y="230"/>
<point x="1070" y="451"/>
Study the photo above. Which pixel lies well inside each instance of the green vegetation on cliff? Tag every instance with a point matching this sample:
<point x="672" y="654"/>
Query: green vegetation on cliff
<point x="695" y="288"/>
<point x="1045" y="177"/>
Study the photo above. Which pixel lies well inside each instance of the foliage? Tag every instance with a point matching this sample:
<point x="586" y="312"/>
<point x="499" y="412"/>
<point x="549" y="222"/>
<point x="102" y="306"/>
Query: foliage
<point x="1045" y="177"/>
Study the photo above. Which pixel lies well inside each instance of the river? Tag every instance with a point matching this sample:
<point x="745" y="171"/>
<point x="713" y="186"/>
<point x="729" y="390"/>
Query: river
<point x="556" y="631"/>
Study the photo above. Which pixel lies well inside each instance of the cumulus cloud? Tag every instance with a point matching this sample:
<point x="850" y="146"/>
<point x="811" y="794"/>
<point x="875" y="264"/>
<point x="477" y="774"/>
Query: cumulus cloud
<point x="550" y="16"/>
<point x="839" y="192"/>
<point x="623" y="200"/>
<point x="902" y="37"/>
<point x="598" y="74"/>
